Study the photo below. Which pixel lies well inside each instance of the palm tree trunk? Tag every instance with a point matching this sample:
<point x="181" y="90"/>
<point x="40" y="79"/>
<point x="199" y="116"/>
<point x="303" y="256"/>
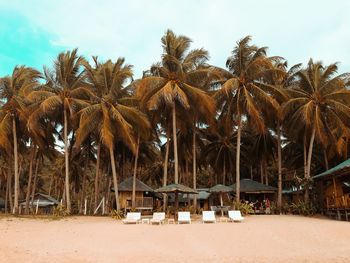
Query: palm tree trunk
<point x="115" y="180"/>
<point x="15" y="152"/>
<point x="307" y="197"/>
<point x="97" y="175"/>
<point x="305" y="156"/>
<point x="261" y="172"/>
<point x="279" y="157"/>
<point x="133" y="197"/>
<point x="224" y="172"/>
<point x="83" y="190"/>
<point x="194" y="166"/>
<point x="238" y="155"/>
<point x="325" y="159"/>
<point x="165" y="171"/>
<point x="37" y="163"/>
<point x="176" y="160"/>
<point x="32" y="158"/>
<point x="66" y="161"/>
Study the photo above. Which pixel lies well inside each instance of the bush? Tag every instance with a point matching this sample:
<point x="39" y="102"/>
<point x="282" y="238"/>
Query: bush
<point x="117" y="214"/>
<point x="60" y="211"/>
<point x="243" y="207"/>
<point x="302" y="208"/>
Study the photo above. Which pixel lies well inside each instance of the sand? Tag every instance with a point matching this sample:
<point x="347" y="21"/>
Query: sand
<point x="102" y="239"/>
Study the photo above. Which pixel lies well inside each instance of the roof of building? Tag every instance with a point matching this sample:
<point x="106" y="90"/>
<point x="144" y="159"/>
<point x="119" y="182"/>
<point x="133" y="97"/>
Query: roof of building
<point x="250" y="186"/>
<point x="126" y="186"/>
<point x="173" y="188"/>
<point x="339" y="170"/>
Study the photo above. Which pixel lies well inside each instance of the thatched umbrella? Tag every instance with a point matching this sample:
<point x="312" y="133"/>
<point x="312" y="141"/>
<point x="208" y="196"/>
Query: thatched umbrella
<point x="176" y="189"/>
<point x="220" y="189"/>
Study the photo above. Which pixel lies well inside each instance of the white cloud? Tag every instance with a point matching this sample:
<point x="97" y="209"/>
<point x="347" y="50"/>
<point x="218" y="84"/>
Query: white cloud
<point x="296" y="30"/>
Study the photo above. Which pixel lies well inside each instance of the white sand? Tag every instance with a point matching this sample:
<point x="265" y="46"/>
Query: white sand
<point x="101" y="239"/>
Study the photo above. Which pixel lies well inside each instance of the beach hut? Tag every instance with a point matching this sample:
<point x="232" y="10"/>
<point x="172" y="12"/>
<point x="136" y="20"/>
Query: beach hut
<point x="333" y="190"/>
<point x="42" y="203"/>
<point x="202" y="198"/>
<point x="144" y="195"/>
<point x="253" y="191"/>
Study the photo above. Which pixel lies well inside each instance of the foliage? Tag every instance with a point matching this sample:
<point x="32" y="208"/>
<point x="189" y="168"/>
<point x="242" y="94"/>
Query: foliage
<point x="60" y="211"/>
<point x="245" y="208"/>
<point x="303" y="208"/>
<point x="117" y="214"/>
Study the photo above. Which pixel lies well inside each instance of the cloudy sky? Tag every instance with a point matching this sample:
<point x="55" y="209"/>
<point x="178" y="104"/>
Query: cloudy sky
<point x="33" y="32"/>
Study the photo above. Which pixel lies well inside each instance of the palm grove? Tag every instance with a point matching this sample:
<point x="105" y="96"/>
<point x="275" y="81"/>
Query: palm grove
<point x="78" y="128"/>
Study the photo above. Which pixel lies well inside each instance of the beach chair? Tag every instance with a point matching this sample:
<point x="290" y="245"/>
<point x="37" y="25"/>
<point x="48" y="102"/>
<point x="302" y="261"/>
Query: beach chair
<point x="235" y="215"/>
<point x="184" y="217"/>
<point x="158" y="218"/>
<point x="208" y="217"/>
<point x="132" y="218"/>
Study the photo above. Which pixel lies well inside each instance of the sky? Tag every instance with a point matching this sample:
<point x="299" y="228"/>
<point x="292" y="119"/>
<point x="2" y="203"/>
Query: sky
<point x="33" y="32"/>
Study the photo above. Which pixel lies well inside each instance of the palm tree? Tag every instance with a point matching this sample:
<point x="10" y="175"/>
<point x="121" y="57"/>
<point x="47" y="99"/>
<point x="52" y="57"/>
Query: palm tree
<point x="172" y="83"/>
<point x="276" y="81"/>
<point x="240" y="96"/>
<point x="110" y="114"/>
<point x="64" y="94"/>
<point x="320" y="101"/>
<point x="13" y="90"/>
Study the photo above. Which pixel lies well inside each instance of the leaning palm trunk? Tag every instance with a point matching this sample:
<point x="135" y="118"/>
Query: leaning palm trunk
<point x="308" y="172"/>
<point x="194" y="166"/>
<point x="83" y="190"/>
<point x="279" y="157"/>
<point x="133" y="197"/>
<point x="66" y="162"/>
<point x="115" y="181"/>
<point x="32" y="157"/>
<point x="238" y="155"/>
<point x="97" y="175"/>
<point x="35" y="179"/>
<point x="16" y="191"/>
<point x="165" y="172"/>
<point x="176" y="161"/>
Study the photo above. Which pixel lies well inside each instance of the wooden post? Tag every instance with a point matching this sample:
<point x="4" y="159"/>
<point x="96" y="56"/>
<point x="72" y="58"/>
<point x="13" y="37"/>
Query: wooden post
<point x="103" y="205"/>
<point x="222" y="204"/>
<point x="37" y="207"/>
<point x="85" y="206"/>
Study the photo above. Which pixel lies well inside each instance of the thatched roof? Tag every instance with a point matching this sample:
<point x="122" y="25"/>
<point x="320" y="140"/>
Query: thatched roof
<point x="176" y="188"/>
<point x="219" y="188"/>
<point x="250" y="186"/>
<point x="339" y="170"/>
<point x="203" y="194"/>
<point x="42" y="200"/>
<point x="126" y="186"/>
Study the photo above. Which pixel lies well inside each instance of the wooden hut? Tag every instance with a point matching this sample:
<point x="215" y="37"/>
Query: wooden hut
<point x="42" y="204"/>
<point x="253" y="191"/>
<point x="144" y="195"/>
<point x="333" y="191"/>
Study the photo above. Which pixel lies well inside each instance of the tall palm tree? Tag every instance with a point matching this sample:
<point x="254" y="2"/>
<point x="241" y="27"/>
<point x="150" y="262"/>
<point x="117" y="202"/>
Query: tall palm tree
<point x="319" y="101"/>
<point x="172" y="83"/>
<point x="14" y="90"/>
<point x="110" y="113"/>
<point x="276" y="81"/>
<point x="64" y="94"/>
<point x="240" y="96"/>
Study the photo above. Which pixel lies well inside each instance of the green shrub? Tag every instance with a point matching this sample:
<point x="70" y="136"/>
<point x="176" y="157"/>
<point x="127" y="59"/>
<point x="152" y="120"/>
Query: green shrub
<point x="117" y="214"/>
<point x="60" y="211"/>
<point x="302" y="208"/>
<point x="243" y="207"/>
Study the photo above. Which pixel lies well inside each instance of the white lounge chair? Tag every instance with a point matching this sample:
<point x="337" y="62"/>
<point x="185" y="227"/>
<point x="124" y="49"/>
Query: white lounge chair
<point x="208" y="217"/>
<point x="158" y="218"/>
<point x="235" y="215"/>
<point x="132" y="218"/>
<point x="184" y="217"/>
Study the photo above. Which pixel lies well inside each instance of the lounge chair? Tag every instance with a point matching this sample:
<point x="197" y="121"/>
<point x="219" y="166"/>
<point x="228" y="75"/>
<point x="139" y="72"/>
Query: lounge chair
<point x="235" y="215"/>
<point x="208" y="217"/>
<point x="132" y="218"/>
<point x="184" y="217"/>
<point x="158" y="218"/>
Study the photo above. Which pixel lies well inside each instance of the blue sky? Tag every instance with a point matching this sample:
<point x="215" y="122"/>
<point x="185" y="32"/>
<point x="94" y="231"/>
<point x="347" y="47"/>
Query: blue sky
<point x="33" y="32"/>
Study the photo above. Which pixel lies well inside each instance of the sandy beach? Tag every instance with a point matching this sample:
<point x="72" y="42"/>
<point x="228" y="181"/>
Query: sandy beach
<point x="102" y="239"/>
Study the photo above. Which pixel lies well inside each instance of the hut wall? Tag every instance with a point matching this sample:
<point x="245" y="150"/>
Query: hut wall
<point x="125" y="198"/>
<point x="334" y="198"/>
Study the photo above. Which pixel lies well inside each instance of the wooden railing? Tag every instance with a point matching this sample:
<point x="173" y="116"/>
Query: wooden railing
<point x="145" y="202"/>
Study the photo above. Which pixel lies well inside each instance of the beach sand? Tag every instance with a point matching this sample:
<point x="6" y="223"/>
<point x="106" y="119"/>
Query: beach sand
<point x="102" y="239"/>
